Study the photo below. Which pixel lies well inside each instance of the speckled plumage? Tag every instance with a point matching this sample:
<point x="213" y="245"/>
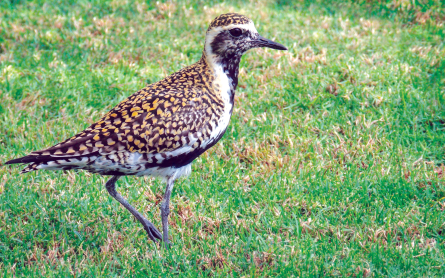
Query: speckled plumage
<point x="229" y="19"/>
<point x="169" y="123"/>
<point x="162" y="128"/>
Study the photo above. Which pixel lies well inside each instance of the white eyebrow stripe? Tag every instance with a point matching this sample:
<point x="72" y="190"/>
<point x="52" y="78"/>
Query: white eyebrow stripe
<point x="250" y="26"/>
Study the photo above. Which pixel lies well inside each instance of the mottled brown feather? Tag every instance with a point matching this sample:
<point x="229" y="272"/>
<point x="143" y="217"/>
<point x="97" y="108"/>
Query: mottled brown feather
<point x="156" y="119"/>
<point x="228" y="19"/>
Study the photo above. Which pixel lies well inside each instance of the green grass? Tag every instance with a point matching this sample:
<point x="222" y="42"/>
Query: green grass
<point x="331" y="165"/>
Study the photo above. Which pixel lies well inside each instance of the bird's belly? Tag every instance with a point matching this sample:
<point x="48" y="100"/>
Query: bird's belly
<point x="166" y="172"/>
<point x="134" y="163"/>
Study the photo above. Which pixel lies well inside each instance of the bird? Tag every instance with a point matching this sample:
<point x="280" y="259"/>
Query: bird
<point x="161" y="129"/>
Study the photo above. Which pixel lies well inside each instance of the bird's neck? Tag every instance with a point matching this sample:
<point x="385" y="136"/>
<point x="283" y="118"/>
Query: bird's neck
<point x="224" y="66"/>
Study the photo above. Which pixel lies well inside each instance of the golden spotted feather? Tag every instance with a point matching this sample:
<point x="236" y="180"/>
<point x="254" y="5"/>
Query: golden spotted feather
<point x="182" y="111"/>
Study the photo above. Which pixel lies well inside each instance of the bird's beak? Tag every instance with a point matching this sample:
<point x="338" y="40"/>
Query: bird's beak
<point x="263" y="42"/>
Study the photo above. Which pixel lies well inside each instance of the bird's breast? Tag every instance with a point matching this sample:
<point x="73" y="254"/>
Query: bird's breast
<point x="222" y="87"/>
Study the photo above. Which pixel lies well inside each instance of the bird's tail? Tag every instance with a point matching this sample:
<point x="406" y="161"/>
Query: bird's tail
<point x="64" y="156"/>
<point x="32" y="160"/>
<point x="36" y="162"/>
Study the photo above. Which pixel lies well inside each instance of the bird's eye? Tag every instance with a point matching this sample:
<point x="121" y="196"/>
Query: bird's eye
<point x="236" y="32"/>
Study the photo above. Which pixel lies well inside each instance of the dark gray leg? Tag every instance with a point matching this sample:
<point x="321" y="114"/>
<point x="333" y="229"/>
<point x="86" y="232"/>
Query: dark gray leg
<point x="165" y="210"/>
<point x="151" y="230"/>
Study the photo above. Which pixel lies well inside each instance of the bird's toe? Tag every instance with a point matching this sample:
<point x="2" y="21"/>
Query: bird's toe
<point x="151" y="230"/>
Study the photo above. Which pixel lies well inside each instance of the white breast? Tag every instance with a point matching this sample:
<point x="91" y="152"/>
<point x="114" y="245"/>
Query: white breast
<point x="223" y="85"/>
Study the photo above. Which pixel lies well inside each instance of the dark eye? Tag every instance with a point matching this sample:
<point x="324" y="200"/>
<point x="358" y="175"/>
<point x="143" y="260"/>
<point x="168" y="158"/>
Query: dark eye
<point x="236" y="32"/>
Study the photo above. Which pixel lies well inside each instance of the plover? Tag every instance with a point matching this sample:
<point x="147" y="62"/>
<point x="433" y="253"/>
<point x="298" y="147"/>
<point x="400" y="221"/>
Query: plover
<point x="161" y="129"/>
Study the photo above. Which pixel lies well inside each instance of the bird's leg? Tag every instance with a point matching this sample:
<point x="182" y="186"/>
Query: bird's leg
<point x="165" y="209"/>
<point x="151" y="230"/>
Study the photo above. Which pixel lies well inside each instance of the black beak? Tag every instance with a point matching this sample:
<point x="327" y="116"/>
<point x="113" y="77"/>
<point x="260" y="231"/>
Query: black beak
<point x="263" y="42"/>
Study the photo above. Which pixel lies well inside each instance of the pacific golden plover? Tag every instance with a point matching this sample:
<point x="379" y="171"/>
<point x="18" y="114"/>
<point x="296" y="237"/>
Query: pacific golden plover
<point x="161" y="129"/>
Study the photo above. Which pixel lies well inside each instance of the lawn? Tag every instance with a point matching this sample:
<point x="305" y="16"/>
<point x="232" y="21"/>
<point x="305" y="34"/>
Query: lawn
<point x="331" y="165"/>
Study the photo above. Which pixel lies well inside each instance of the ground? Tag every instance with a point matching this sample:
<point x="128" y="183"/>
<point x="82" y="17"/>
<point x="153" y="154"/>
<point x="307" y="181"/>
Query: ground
<point x="331" y="165"/>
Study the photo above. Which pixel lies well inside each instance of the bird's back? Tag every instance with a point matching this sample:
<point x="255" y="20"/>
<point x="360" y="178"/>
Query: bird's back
<point x="162" y="127"/>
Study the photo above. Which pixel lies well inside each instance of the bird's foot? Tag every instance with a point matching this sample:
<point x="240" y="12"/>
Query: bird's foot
<point x="167" y="244"/>
<point x="151" y="230"/>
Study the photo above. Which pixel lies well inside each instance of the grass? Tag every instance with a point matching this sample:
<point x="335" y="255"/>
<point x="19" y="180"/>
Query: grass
<point x="331" y="166"/>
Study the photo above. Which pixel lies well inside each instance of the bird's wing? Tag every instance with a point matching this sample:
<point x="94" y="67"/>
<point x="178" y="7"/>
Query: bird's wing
<point x="160" y="118"/>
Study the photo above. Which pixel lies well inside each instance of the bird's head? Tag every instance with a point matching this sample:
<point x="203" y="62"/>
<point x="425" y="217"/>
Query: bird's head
<point x="231" y="35"/>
